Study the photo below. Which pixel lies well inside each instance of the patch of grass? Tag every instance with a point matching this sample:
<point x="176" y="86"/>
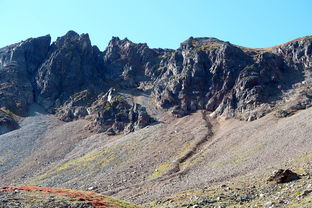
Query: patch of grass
<point x="240" y="157"/>
<point x="236" y="147"/>
<point x="172" y="78"/>
<point x="221" y="164"/>
<point x="249" y="72"/>
<point x="300" y="160"/>
<point x="160" y="170"/>
<point x="10" y="113"/>
<point x="209" y="46"/>
<point x="253" y="186"/>
<point x="304" y="157"/>
<point x="2" y="160"/>
<point x="98" y="158"/>
<point x="122" y="204"/>
<point x="184" y="149"/>
<point x="198" y="159"/>
<point x="107" y="160"/>
<point x="117" y="98"/>
<point x="153" y="203"/>
<point x="195" y="160"/>
<point x="84" y="160"/>
<point x="107" y="107"/>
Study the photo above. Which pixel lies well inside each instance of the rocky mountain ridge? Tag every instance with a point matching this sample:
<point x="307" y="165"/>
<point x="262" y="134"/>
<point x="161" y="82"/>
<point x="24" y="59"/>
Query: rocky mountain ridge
<point x="158" y="127"/>
<point x="73" y="79"/>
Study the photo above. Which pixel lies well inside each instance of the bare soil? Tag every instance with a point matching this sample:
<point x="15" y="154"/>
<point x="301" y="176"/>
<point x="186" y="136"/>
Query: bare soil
<point x="173" y="155"/>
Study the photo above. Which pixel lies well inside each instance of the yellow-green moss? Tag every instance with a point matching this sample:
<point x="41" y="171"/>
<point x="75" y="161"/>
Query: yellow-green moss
<point x="2" y="160"/>
<point x="152" y="203"/>
<point x="243" y="155"/>
<point x="160" y="170"/>
<point x="98" y="158"/>
<point x="122" y="204"/>
<point x="304" y="157"/>
<point x="209" y="46"/>
<point x="221" y="164"/>
<point x="84" y="160"/>
<point x="239" y="157"/>
<point x="195" y="160"/>
<point x="184" y="149"/>
<point x="10" y="113"/>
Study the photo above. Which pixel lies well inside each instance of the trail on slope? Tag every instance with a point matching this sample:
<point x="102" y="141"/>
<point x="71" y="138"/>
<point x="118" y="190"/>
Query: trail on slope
<point x="176" y="170"/>
<point x="194" y="147"/>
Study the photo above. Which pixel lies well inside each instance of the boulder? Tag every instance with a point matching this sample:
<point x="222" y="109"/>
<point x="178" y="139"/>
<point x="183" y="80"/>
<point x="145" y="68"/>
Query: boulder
<point x="283" y="176"/>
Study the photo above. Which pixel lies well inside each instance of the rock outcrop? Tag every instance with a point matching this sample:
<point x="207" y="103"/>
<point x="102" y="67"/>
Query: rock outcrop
<point x="70" y="77"/>
<point x="115" y="116"/>
<point x="72" y="65"/>
<point x="7" y="123"/>
<point x="18" y="66"/>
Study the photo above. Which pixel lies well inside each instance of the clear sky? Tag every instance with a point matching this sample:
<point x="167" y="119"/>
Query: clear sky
<point x="159" y="23"/>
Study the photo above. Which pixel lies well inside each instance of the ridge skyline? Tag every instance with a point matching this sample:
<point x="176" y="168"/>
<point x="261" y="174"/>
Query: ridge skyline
<point x="104" y="47"/>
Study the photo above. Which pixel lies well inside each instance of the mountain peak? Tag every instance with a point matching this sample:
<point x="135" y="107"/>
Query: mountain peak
<point x="71" y="33"/>
<point x="200" y="42"/>
<point x="222" y="77"/>
<point x="133" y="119"/>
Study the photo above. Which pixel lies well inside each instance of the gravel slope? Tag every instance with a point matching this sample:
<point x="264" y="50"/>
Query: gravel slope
<point x="173" y="155"/>
<point x="237" y="149"/>
<point x="18" y="144"/>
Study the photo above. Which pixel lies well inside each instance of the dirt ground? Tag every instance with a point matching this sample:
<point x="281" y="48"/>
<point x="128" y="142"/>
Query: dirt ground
<point x="173" y="155"/>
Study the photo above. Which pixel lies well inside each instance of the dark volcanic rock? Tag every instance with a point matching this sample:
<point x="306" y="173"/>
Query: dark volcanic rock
<point x="130" y="63"/>
<point x="76" y="106"/>
<point x="113" y="114"/>
<point x="110" y="113"/>
<point x="199" y="75"/>
<point x="72" y="65"/>
<point x="82" y="205"/>
<point x="70" y="77"/>
<point x="222" y="78"/>
<point x="283" y="176"/>
<point x="7" y="123"/>
<point x="18" y="64"/>
<point x="297" y="53"/>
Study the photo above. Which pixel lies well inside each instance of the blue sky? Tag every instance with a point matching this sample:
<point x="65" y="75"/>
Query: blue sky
<point x="159" y="23"/>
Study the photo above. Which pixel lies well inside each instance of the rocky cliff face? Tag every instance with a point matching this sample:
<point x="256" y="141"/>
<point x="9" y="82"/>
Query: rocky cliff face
<point x="71" y="65"/>
<point x="73" y="79"/>
<point x="224" y="79"/>
<point x="18" y="66"/>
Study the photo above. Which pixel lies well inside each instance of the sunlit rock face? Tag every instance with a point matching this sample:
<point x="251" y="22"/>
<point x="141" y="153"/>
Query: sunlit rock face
<point x="73" y="79"/>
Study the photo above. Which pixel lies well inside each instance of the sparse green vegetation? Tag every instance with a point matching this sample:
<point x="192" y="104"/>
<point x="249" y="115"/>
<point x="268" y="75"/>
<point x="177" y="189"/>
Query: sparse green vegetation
<point x="210" y="46"/>
<point x="241" y="156"/>
<point x="184" y="149"/>
<point x="10" y="113"/>
<point x="249" y="191"/>
<point x="221" y="164"/>
<point x="195" y="160"/>
<point x="2" y="160"/>
<point x="97" y="158"/>
<point x="160" y="170"/>
<point x="117" y="98"/>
